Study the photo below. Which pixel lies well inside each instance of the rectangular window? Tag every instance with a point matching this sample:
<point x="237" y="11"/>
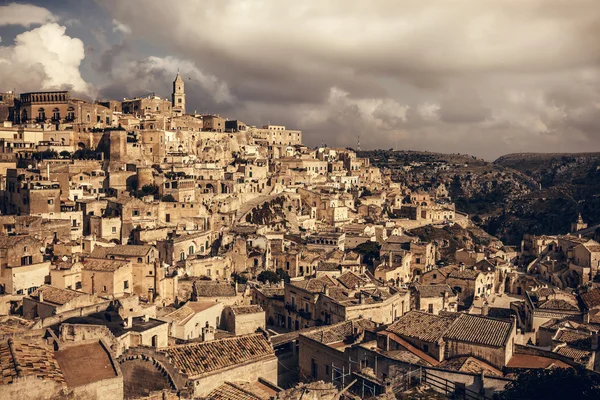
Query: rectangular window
<point x="50" y="202"/>
<point x="431" y="309"/>
<point x="135" y="213"/>
<point x="114" y="229"/>
<point x="77" y="285"/>
<point x="126" y="285"/>
<point x="140" y="259"/>
<point x="27" y="260"/>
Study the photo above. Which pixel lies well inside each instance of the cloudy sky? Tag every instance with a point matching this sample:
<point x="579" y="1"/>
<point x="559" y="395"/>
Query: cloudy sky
<point x="485" y="77"/>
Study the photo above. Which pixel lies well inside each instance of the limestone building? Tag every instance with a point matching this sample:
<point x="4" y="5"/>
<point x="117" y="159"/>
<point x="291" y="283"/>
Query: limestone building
<point x="178" y="96"/>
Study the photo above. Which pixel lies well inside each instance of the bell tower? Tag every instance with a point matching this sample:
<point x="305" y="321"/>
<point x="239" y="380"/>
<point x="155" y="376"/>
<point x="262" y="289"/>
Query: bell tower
<point x="178" y="96"/>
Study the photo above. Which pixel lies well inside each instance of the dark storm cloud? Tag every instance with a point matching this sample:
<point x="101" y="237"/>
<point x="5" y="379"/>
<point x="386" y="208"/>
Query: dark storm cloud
<point x="464" y="76"/>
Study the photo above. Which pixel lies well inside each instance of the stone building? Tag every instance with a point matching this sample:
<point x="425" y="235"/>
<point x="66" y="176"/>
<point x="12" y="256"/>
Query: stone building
<point x="22" y="265"/>
<point x="242" y="320"/>
<point x="83" y="370"/>
<point x="58" y="108"/>
<point x="191" y="319"/>
<point x="178" y="96"/>
<point x="240" y="358"/>
<point x="49" y="300"/>
<point x="435" y="298"/>
<point x="323" y="348"/>
<point x="106" y="277"/>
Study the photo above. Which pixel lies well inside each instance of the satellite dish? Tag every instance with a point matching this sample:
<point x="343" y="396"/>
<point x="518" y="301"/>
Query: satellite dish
<point x="29" y="166"/>
<point x="42" y="249"/>
<point x="65" y="258"/>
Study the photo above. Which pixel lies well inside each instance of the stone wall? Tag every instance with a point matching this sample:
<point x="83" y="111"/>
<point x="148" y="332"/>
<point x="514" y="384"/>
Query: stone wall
<point x="249" y="372"/>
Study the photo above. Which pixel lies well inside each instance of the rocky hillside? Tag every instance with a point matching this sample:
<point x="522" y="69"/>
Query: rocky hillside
<point x="478" y="187"/>
<point x="516" y="194"/>
<point x="568" y="184"/>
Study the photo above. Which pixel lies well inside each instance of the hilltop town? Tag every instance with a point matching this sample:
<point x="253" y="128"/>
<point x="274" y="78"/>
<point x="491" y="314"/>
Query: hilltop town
<point x="147" y="252"/>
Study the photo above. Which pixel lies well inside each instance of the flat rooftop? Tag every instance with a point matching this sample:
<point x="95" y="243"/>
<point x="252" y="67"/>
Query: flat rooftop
<point x="85" y="364"/>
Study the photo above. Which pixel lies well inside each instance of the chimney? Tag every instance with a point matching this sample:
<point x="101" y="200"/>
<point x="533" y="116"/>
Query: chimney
<point x="41" y="296"/>
<point x="128" y="322"/>
<point x="145" y="318"/>
<point x="485" y="309"/>
<point x="361" y="298"/>
<point x="594" y="341"/>
<point x="208" y="333"/>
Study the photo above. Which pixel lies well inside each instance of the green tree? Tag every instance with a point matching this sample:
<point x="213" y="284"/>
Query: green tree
<point x="168" y="198"/>
<point x="148" y="190"/>
<point x="369" y="251"/>
<point x="65" y="154"/>
<point x="553" y="384"/>
<point x="239" y="278"/>
<point x="268" y="276"/>
<point x="283" y="275"/>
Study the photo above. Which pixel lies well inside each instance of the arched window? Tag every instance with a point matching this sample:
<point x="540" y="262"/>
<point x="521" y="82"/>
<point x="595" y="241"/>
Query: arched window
<point x="191" y="250"/>
<point x="56" y="114"/>
<point x="41" y="114"/>
<point x="182" y="256"/>
<point x="88" y="118"/>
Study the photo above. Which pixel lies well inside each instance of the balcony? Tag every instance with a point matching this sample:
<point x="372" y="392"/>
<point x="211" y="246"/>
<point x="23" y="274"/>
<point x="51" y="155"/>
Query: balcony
<point x="304" y="314"/>
<point x="290" y="307"/>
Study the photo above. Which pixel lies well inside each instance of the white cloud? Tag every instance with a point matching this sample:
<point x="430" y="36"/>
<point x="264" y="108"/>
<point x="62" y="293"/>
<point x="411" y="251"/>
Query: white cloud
<point x="119" y="27"/>
<point x="24" y="14"/>
<point x="43" y="58"/>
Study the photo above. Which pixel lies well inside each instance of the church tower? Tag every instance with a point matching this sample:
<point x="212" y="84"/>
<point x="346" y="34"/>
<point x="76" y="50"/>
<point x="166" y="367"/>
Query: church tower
<point x="578" y="225"/>
<point x="178" y="96"/>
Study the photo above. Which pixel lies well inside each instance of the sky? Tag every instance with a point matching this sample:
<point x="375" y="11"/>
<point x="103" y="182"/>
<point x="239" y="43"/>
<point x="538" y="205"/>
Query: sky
<point x="483" y="77"/>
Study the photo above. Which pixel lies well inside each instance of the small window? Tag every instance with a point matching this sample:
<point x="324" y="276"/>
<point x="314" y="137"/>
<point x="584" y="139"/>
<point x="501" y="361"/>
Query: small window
<point x="126" y="285"/>
<point x="50" y="202"/>
<point x="140" y="259"/>
<point x="77" y="285"/>
<point x="114" y="229"/>
<point x="104" y="288"/>
<point x="430" y="309"/>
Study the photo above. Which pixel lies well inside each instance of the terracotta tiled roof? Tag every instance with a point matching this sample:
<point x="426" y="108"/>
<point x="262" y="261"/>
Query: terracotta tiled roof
<point x="558" y="304"/>
<point x="314" y="285"/>
<point x="433" y="290"/>
<point x="339" y="332"/>
<point x="421" y="325"/>
<point x="6" y="242"/>
<point x="464" y="274"/>
<point x="10" y="324"/>
<point x="251" y="309"/>
<point x="21" y="359"/>
<point x="239" y="391"/>
<point x="272" y="291"/>
<point x="573" y="337"/>
<point x="480" y="330"/>
<point x="544" y="292"/>
<point x="470" y="364"/>
<point x="214" y="289"/>
<point x="123" y="250"/>
<point x="577" y="355"/>
<point x="56" y="295"/>
<point x="185" y="312"/>
<point x="591" y="299"/>
<point x="351" y="280"/>
<point x="102" y="264"/>
<point x="197" y="359"/>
